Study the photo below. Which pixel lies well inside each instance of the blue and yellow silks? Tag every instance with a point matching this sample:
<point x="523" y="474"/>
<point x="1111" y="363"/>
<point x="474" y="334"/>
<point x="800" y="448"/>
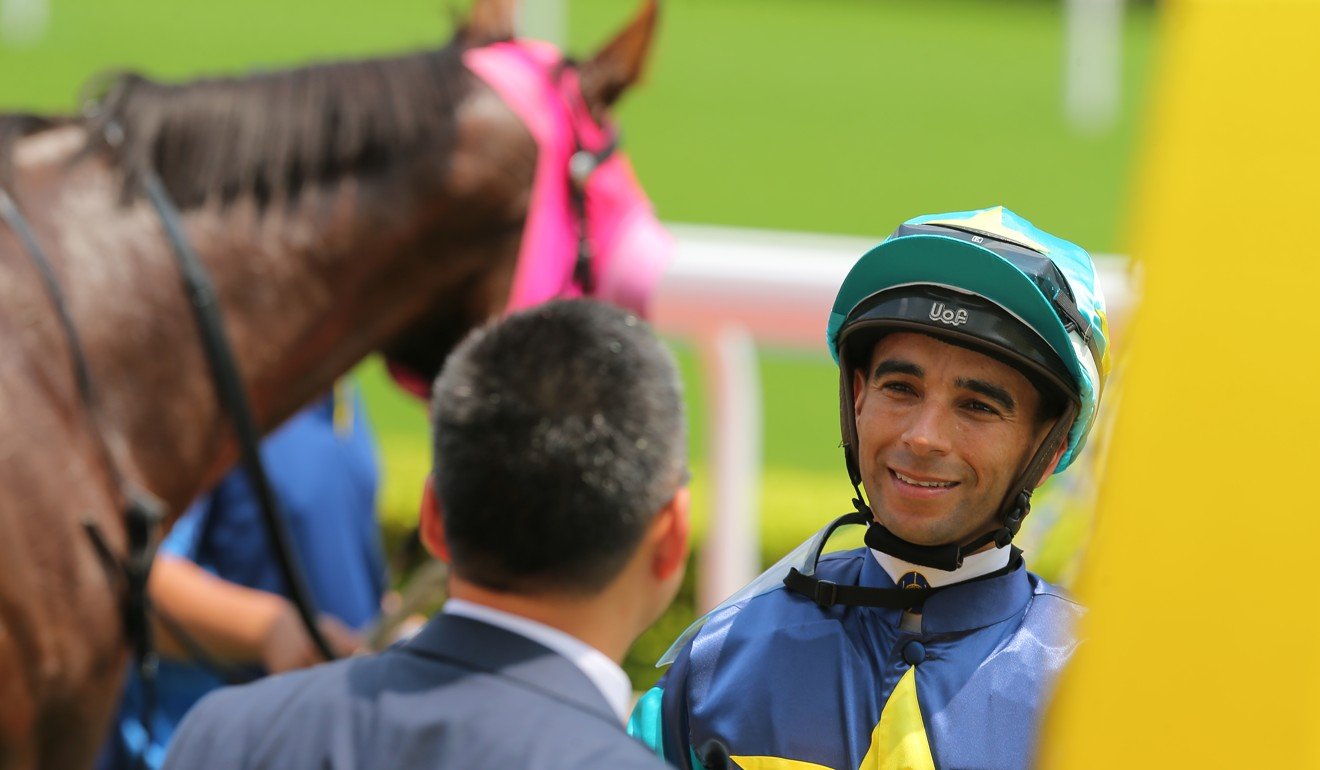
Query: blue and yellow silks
<point x="786" y="685"/>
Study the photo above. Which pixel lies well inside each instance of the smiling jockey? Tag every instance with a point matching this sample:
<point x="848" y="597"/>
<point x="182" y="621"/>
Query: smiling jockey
<point x="972" y="350"/>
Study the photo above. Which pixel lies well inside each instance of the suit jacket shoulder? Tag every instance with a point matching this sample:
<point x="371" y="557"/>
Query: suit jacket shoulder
<point x="463" y="694"/>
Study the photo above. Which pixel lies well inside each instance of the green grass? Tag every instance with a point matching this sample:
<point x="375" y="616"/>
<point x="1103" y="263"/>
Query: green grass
<point x="851" y="115"/>
<point x="831" y="115"/>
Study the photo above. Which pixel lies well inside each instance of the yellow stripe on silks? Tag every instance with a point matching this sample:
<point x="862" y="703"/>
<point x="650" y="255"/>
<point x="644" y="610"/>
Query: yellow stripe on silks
<point x="1203" y="640"/>
<point x="899" y="741"/>
<point x="775" y="763"/>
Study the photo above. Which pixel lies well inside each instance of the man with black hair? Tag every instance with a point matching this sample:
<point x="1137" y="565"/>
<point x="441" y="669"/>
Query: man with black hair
<point x="972" y="349"/>
<point x="559" y="499"/>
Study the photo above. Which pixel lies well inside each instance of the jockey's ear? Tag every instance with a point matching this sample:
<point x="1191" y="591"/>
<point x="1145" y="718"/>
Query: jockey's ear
<point x="619" y="64"/>
<point x="490" y="21"/>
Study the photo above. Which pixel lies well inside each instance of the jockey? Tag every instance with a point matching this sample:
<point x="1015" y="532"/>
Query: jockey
<point x="972" y="351"/>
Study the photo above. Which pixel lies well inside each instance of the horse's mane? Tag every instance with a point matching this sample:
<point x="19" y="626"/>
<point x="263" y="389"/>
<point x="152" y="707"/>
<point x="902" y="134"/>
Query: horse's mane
<point x="271" y="134"/>
<point x="15" y="126"/>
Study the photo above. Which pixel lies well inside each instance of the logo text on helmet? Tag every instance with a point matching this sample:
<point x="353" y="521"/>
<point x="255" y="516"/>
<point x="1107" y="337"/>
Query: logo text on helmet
<point x="945" y="315"/>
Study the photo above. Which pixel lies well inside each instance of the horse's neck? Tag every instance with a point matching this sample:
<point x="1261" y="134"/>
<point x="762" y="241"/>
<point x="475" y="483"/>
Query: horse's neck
<point x="305" y="290"/>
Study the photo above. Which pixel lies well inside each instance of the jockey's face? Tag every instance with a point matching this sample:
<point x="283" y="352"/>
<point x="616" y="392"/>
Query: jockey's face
<point x="942" y="432"/>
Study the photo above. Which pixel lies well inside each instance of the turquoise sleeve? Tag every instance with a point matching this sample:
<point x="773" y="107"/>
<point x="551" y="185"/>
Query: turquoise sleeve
<point x="647" y="722"/>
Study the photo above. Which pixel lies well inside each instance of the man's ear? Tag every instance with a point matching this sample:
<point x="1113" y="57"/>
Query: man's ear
<point x="432" y="524"/>
<point x="669" y="532"/>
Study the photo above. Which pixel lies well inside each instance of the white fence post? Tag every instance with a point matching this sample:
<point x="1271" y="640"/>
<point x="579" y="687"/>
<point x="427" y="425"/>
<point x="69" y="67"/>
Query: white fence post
<point x="23" y="22"/>
<point x="732" y="552"/>
<point x="544" y="20"/>
<point x="1093" y="63"/>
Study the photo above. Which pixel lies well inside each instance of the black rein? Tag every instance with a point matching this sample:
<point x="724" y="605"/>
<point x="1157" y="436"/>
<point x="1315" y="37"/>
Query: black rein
<point x="141" y="511"/>
<point x="233" y="400"/>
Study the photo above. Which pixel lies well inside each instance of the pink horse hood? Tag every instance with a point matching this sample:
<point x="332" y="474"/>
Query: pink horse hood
<point x="629" y="248"/>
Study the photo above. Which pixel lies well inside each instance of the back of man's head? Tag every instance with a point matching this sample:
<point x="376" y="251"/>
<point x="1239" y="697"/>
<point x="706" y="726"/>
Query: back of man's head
<point x="559" y="433"/>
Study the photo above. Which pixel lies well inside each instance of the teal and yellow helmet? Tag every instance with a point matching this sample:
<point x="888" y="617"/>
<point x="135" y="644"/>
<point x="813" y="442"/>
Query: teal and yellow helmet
<point x="992" y="281"/>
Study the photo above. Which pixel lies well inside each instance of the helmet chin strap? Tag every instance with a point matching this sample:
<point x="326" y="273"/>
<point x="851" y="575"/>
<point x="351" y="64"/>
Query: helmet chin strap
<point x="948" y="557"/>
<point x="1016" y="506"/>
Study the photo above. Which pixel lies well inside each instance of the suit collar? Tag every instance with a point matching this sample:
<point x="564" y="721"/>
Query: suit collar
<point x="480" y="646"/>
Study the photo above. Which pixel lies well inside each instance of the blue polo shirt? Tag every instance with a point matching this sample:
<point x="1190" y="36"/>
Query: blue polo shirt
<point x="322" y="465"/>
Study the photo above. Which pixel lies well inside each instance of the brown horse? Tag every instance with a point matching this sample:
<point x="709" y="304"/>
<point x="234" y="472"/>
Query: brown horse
<point x="341" y="208"/>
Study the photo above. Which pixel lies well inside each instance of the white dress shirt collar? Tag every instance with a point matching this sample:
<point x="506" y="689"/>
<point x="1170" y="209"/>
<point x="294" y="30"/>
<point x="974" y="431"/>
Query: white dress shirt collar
<point x="604" y="673"/>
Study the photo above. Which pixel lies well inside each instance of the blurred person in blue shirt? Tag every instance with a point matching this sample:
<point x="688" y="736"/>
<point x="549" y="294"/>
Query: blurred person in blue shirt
<point x="217" y="578"/>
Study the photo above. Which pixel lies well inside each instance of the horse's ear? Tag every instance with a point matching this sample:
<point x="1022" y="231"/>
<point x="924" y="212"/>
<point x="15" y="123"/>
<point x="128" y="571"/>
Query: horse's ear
<point x="489" y="21"/>
<point x="619" y="64"/>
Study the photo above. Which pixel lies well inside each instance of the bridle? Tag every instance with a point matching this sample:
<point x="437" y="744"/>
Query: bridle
<point x="581" y="165"/>
<point x="543" y="88"/>
<point x="579" y="279"/>
<point x="141" y="511"/>
<point x="233" y="400"/>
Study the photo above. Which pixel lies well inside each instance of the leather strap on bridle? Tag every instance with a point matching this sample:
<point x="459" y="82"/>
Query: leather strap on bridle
<point x="233" y="400"/>
<point x="10" y="212"/>
<point x="581" y="164"/>
<point x="140" y="510"/>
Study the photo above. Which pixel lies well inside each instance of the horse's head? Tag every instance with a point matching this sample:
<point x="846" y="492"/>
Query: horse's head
<point x="588" y="227"/>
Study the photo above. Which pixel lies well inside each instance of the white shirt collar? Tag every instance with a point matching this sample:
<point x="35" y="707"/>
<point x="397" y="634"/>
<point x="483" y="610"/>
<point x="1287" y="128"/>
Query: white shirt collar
<point x="973" y="566"/>
<point x="604" y="673"/>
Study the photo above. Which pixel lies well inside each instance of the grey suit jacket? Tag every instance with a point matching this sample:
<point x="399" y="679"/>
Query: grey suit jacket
<point x="462" y="694"/>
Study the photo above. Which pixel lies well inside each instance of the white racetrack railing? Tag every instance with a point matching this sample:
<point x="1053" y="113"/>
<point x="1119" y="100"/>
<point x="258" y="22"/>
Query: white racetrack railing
<point x="728" y="291"/>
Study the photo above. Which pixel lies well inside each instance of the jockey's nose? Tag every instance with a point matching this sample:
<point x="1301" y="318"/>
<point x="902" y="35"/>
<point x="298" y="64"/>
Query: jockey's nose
<point x="929" y="429"/>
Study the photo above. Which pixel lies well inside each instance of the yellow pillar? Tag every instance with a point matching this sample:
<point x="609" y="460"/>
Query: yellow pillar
<point x="1204" y="633"/>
